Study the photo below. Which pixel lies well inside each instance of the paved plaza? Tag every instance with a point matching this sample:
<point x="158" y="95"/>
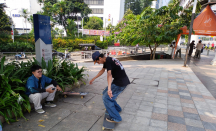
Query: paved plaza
<point x="163" y="96"/>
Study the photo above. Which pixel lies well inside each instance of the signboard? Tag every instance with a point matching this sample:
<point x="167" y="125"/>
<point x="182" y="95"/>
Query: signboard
<point x="95" y="32"/>
<point x="109" y="17"/>
<point x="101" y="38"/>
<point x="16" y="15"/>
<point x="43" y="41"/>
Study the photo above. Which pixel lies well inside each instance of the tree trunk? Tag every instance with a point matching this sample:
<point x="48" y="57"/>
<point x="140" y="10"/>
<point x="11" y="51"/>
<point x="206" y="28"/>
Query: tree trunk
<point x="151" y="52"/>
<point x="154" y="50"/>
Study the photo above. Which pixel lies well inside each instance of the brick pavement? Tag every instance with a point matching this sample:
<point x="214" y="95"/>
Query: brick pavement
<point x="163" y="96"/>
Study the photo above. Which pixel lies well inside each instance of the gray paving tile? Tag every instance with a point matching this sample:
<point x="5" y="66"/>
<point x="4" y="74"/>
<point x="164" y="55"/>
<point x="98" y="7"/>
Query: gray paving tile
<point x="147" y="114"/>
<point x="184" y="94"/>
<point x="156" y="129"/>
<point x="138" y="127"/>
<point x="195" y="95"/>
<point x="159" y="110"/>
<point x="141" y="120"/>
<point x="191" y="116"/>
<point x="185" y="91"/>
<point x="185" y="97"/>
<point x="145" y="108"/>
<point x="172" y="107"/>
<point x="210" y="126"/>
<point x="192" y="128"/>
<point x="175" y="119"/>
<point x="173" y="92"/>
<point x="158" y="123"/>
<point x="195" y="123"/>
<point x="160" y="105"/>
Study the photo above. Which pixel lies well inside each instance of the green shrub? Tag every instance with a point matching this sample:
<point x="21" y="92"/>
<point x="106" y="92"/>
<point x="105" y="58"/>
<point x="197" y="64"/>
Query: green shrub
<point x="13" y="77"/>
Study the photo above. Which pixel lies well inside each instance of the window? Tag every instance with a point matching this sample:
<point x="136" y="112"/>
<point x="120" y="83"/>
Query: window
<point x="94" y="2"/>
<point x="97" y="10"/>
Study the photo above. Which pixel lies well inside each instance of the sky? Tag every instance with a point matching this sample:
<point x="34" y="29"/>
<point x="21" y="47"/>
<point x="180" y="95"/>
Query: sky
<point x="165" y="2"/>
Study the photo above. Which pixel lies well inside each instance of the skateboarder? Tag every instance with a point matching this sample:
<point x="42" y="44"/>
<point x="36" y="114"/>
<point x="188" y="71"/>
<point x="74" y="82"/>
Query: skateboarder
<point x="114" y="70"/>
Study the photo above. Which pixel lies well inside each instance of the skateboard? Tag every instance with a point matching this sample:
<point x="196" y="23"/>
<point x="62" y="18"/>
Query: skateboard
<point x="82" y="94"/>
<point x="106" y="124"/>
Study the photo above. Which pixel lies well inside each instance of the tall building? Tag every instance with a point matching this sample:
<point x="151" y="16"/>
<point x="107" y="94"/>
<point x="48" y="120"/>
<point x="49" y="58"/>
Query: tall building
<point x="14" y="10"/>
<point x="157" y="4"/>
<point x="105" y="9"/>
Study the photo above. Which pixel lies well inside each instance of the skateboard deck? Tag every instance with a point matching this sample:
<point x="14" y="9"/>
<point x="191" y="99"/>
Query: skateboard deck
<point x="82" y="94"/>
<point x="106" y="124"/>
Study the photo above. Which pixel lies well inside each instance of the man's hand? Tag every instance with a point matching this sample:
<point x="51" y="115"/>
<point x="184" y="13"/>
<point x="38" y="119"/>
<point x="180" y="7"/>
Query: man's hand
<point x="90" y="82"/>
<point x="110" y="94"/>
<point x="50" y="90"/>
<point x="58" y="88"/>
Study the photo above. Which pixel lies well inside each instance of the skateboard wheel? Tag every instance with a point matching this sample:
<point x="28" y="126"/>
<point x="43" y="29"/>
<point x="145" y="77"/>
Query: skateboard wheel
<point x="103" y="128"/>
<point x="65" y="96"/>
<point x="82" y="97"/>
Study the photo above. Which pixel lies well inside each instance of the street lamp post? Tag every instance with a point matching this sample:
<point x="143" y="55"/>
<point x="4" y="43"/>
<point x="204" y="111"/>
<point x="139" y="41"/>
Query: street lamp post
<point x="82" y="24"/>
<point x="12" y="22"/>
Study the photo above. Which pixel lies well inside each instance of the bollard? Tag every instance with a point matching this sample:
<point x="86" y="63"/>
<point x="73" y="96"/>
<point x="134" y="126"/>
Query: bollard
<point x="208" y="52"/>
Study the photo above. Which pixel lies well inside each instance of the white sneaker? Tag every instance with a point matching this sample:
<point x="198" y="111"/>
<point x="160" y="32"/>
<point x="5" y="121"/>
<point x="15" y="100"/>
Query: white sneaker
<point x="48" y="104"/>
<point x="40" y="111"/>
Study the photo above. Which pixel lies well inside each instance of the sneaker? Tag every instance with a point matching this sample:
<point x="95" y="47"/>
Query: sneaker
<point x="111" y="120"/>
<point x="40" y="111"/>
<point x="49" y="104"/>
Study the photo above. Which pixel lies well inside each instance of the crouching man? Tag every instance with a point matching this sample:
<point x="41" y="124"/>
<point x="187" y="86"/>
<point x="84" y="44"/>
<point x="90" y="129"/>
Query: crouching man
<point x="37" y="91"/>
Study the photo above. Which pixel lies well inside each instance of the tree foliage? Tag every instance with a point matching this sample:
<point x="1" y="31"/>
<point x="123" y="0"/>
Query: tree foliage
<point x="153" y="27"/>
<point x="61" y="11"/>
<point x="137" y="6"/>
<point x="94" y="23"/>
<point x="5" y="23"/>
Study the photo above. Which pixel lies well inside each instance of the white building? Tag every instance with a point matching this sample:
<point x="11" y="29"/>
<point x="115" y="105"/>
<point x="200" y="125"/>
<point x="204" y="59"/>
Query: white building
<point x="105" y="9"/>
<point x="157" y="4"/>
<point x="14" y="10"/>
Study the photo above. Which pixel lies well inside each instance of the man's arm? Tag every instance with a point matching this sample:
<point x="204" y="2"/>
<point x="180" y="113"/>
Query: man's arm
<point x="109" y="80"/>
<point x="98" y="75"/>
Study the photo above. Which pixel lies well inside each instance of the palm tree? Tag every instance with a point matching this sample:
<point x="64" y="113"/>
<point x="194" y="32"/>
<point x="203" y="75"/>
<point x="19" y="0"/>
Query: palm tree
<point x="25" y="14"/>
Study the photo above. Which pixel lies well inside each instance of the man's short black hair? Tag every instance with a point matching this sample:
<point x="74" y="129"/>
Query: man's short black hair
<point x="101" y="55"/>
<point x="35" y="67"/>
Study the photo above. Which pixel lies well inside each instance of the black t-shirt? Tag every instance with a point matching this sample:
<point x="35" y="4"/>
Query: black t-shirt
<point x="117" y="70"/>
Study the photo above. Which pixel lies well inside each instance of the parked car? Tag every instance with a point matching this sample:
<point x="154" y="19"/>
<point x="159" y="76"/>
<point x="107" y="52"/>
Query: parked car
<point x="20" y="56"/>
<point x="59" y="54"/>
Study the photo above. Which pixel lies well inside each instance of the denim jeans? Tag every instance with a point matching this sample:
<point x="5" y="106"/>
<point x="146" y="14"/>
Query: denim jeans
<point x="111" y="105"/>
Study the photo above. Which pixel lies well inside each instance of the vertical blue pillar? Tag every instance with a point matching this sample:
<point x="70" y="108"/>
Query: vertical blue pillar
<point x="43" y="40"/>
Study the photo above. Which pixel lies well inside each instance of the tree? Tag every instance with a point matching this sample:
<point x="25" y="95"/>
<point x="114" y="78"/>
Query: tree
<point x="137" y="6"/>
<point x="155" y="26"/>
<point x="25" y="15"/>
<point x="61" y="11"/>
<point x="71" y="28"/>
<point x="94" y="23"/>
<point x="145" y="3"/>
<point x="5" y="23"/>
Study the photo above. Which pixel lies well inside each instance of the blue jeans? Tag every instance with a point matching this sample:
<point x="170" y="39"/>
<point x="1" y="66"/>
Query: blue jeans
<point x="111" y="105"/>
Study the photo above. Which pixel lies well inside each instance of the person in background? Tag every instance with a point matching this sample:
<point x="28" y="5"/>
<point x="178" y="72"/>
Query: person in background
<point x="213" y="45"/>
<point x="37" y="91"/>
<point x="137" y="47"/>
<point x="191" y="48"/>
<point x="178" y="50"/>
<point x="198" y="50"/>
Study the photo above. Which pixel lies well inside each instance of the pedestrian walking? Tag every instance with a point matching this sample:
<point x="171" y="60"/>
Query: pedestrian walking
<point x="178" y="51"/>
<point x="191" y="48"/>
<point x="114" y="70"/>
<point x="198" y="50"/>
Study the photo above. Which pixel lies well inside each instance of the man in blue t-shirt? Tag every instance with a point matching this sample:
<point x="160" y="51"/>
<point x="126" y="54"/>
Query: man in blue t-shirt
<point x="37" y="91"/>
<point x="114" y="70"/>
